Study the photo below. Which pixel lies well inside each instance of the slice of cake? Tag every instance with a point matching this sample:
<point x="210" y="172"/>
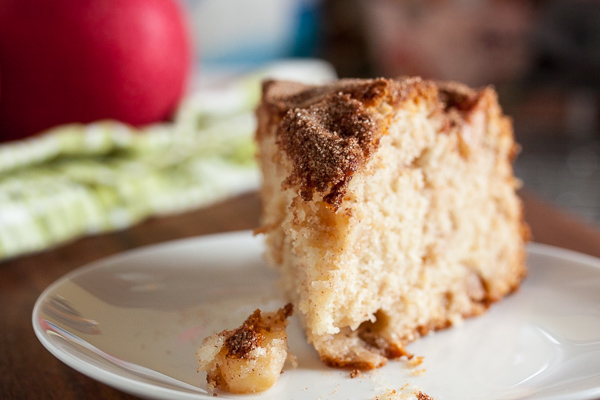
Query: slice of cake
<point x="389" y="207"/>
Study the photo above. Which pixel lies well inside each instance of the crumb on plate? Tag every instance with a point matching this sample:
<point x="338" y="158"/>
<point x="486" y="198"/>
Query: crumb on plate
<point x="250" y="358"/>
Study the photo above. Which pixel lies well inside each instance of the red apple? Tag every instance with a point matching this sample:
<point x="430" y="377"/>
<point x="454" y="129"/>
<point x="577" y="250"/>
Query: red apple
<point x="83" y="60"/>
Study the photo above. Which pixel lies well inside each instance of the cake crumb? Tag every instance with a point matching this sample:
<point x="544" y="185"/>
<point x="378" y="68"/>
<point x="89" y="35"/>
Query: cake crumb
<point x="354" y="373"/>
<point x="413" y="393"/>
<point x="250" y="358"/>
<point x="423" y="396"/>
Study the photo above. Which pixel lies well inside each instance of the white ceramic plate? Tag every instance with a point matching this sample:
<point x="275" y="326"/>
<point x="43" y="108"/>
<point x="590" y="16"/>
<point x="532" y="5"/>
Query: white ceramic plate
<point x="134" y="321"/>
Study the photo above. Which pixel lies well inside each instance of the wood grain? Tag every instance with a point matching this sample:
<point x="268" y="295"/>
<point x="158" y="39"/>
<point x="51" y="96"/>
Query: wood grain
<point x="28" y="371"/>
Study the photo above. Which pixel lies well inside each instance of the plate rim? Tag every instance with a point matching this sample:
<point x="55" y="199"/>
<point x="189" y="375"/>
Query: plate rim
<point x="107" y="377"/>
<point x="145" y="389"/>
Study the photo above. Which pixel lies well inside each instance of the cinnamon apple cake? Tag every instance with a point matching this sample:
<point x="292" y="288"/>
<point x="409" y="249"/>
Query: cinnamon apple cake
<point x="389" y="207"/>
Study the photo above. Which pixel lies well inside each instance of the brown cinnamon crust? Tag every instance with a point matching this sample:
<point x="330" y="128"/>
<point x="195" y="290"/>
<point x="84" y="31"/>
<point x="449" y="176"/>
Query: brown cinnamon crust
<point x="245" y="338"/>
<point x="251" y="334"/>
<point x="327" y="142"/>
<point x="329" y="132"/>
<point x="283" y="96"/>
<point x="458" y="96"/>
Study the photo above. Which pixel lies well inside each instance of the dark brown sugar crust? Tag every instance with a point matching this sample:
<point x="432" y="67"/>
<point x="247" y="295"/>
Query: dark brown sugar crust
<point x="251" y="334"/>
<point x="327" y="142"/>
<point x="329" y="132"/>
<point x="458" y="96"/>
<point x="246" y="338"/>
<point x="284" y="96"/>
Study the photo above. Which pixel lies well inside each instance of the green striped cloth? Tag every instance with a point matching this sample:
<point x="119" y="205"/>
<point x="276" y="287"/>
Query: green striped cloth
<point x="82" y="179"/>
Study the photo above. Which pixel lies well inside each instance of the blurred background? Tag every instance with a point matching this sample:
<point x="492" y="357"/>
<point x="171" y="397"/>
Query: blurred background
<point x="543" y="57"/>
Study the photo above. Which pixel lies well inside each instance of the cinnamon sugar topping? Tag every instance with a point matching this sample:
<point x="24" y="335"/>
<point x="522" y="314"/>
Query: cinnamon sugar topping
<point x="252" y="333"/>
<point x="329" y="131"/>
<point x="458" y="96"/>
<point x="327" y="142"/>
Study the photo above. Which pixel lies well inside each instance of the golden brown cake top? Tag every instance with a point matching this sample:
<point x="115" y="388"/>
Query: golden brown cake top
<point x="329" y="131"/>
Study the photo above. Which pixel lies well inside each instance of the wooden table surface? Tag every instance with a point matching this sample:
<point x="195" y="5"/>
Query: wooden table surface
<point x="29" y="371"/>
